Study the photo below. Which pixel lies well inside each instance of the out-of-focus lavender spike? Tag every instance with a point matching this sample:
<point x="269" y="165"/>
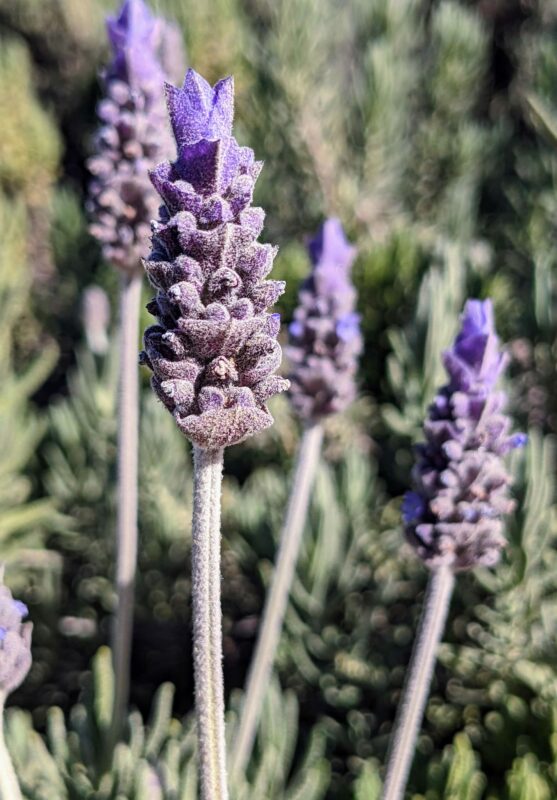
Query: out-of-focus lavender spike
<point x="214" y="350"/>
<point x="454" y="515"/>
<point x="325" y="343"/>
<point x="15" y="642"/>
<point x="453" y="518"/>
<point x="325" y="339"/>
<point x="134" y="134"/>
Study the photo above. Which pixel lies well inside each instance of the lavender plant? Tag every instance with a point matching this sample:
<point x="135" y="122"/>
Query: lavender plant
<point x="453" y="517"/>
<point x="15" y="661"/>
<point x="155" y="760"/>
<point x="214" y="350"/>
<point x="324" y="344"/>
<point x="133" y="136"/>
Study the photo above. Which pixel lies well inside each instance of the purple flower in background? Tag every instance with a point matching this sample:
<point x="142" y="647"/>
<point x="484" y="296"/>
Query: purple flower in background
<point x="454" y="516"/>
<point x="15" y="641"/>
<point x="134" y="134"/>
<point x="134" y="36"/>
<point x="325" y="339"/>
<point x="214" y="350"/>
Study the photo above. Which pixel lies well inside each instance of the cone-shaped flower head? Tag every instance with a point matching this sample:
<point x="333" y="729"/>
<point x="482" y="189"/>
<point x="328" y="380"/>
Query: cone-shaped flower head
<point x="325" y="339"/>
<point x="134" y="134"/>
<point x="15" y="640"/>
<point x="454" y="516"/>
<point x="214" y="350"/>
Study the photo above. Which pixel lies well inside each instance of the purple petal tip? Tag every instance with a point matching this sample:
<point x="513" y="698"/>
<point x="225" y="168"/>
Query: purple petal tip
<point x="330" y="247"/>
<point x="134" y="35"/>
<point x="199" y="111"/>
<point x="133" y="24"/>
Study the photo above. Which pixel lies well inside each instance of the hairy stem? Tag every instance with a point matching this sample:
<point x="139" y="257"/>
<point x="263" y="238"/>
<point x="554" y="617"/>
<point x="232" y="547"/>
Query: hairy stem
<point x="126" y="536"/>
<point x="416" y="689"/>
<point x="207" y="625"/>
<point x="277" y="599"/>
<point x="9" y="786"/>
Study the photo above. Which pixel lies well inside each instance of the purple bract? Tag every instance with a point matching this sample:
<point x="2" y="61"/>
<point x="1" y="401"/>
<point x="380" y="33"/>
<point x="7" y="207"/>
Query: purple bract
<point x="134" y="133"/>
<point x="325" y="339"/>
<point x="454" y="516"/>
<point x="214" y="350"/>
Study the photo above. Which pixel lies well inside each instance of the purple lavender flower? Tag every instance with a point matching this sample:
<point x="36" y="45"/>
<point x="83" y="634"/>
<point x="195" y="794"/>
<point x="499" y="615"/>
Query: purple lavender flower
<point x="15" y="641"/>
<point x="133" y="136"/>
<point x="214" y="351"/>
<point x="454" y="516"/>
<point x="325" y="338"/>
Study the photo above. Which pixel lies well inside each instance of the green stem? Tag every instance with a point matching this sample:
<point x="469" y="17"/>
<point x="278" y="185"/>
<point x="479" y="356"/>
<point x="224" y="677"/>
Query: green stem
<point x="9" y="786"/>
<point x="277" y="600"/>
<point x="126" y="536"/>
<point x="416" y="689"/>
<point x="207" y="624"/>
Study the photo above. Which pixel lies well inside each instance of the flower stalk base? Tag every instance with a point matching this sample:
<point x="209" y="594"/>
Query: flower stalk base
<point x="207" y="624"/>
<point x="126" y="535"/>
<point x="416" y="689"/>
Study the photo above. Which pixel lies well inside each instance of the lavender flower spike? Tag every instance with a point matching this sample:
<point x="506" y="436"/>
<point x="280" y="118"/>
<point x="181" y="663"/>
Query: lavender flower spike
<point x="454" y="516"/>
<point x="325" y="342"/>
<point x="214" y="350"/>
<point x="325" y="339"/>
<point x="132" y="138"/>
<point x="15" y="641"/>
<point x="15" y="661"/>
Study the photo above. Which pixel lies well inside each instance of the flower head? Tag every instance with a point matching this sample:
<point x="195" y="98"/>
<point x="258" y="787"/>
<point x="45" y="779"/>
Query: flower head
<point x="134" y="134"/>
<point x="15" y="640"/>
<point x="325" y="338"/>
<point x="454" y="516"/>
<point x="214" y="350"/>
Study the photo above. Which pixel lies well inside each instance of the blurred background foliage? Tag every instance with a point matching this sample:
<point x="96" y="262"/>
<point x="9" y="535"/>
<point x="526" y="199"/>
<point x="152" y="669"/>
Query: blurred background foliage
<point x="430" y="128"/>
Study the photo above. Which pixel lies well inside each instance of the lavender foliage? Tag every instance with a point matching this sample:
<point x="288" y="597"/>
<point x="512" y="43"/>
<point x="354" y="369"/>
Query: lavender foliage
<point x="134" y="134"/>
<point x="214" y="350"/>
<point x="454" y="516"/>
<point x="15" y="641"/>
<point x="325" y="339"/>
